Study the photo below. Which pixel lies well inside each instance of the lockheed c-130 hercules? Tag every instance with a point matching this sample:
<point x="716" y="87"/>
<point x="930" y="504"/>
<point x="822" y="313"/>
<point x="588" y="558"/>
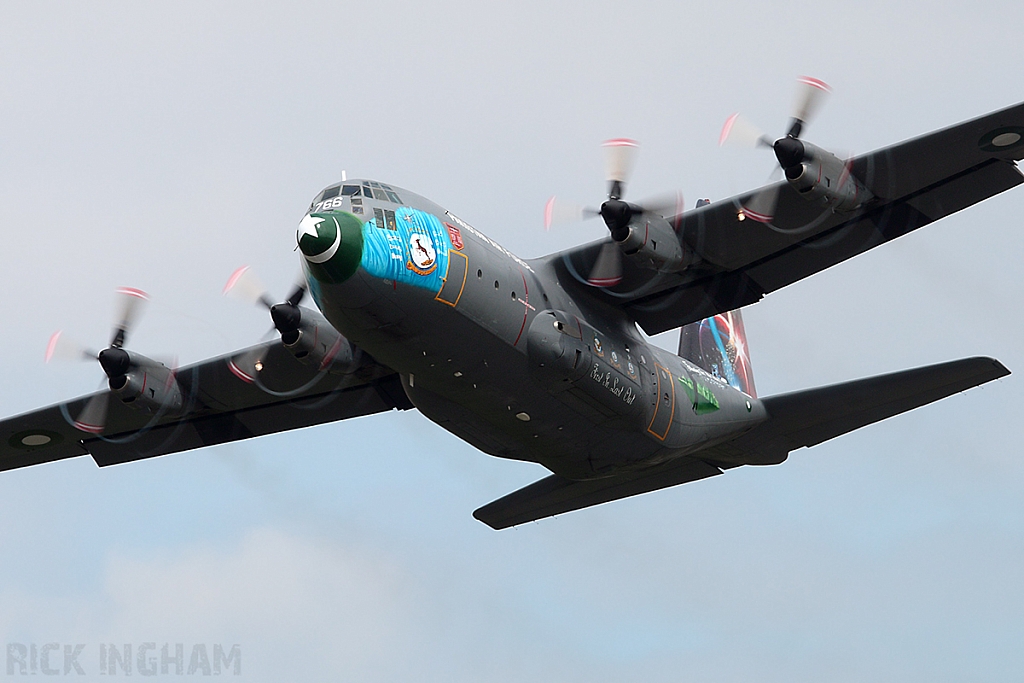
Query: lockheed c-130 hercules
<point x="542" y="360"/>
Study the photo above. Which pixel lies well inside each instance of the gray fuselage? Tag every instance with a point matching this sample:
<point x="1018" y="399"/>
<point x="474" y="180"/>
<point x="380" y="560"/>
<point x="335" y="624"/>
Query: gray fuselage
<point x="498" y="350"/>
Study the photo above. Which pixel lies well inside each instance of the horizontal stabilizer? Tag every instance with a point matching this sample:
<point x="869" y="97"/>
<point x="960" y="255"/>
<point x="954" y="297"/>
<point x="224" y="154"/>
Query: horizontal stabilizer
<point x="802" y="418"/>
<point x="554" y="495"/>
<point x="806" y="418"/>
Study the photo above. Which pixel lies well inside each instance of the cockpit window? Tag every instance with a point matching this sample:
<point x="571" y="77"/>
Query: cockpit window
<point x="369" y="189"/>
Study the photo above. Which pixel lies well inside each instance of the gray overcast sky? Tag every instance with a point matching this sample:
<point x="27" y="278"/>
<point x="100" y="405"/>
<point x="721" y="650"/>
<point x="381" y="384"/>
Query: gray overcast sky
<point x="163" y="145"/>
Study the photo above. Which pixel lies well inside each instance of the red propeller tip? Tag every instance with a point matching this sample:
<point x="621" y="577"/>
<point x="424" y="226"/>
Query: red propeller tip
<point x="815" y="83"/>
<point x="604" y="281"/>
<point x="132" y="291"/>
<point x="239" y="373"/>
<point x="726" y="129"/>
<point x="91" y="429"/>
<point x="620" y="142"/>
<point x="233" y="280"/>
<point x="548" y="209"/>
<point x="758" y="217"/>
<point x="51" y="346"/>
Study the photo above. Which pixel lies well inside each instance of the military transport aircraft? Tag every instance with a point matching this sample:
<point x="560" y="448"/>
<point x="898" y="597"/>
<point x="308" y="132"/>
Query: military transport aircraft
<point x="542" y="360"/>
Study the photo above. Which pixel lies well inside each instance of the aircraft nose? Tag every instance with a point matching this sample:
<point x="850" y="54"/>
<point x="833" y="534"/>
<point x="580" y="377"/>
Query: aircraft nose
<point x="332" y="244"/>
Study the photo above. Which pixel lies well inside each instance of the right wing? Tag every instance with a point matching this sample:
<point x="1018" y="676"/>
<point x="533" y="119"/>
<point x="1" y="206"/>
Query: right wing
<point x="739" y="259"/>
<point x="220" y="407"/>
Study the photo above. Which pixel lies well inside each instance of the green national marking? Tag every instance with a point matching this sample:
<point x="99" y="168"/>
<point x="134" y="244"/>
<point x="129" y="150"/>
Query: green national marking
<point x="332" y="243"/>
<point x="688" y="388"/>
<point x="706" y="400"/>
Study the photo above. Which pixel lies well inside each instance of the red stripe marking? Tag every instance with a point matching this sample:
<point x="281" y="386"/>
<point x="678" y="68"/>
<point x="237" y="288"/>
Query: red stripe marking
<point x="620" y="142"/>
<point x="604" y="281"/>
<point x="131" y="291"/>
<point x="548" y="208"/>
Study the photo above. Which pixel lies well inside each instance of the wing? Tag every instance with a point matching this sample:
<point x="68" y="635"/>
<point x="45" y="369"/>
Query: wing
<point x="220" y="407"/>
<point x="739" y="261"/>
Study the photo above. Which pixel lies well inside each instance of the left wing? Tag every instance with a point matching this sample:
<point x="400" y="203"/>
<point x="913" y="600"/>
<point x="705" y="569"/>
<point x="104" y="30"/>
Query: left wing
<point x="738" y="259"/>
<point x="219" y="407"/>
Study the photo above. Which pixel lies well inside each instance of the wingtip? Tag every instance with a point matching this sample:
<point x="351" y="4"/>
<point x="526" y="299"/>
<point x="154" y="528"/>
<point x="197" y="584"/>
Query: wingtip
<point x="481" y="516"/>
<point x="1001" y="369"/>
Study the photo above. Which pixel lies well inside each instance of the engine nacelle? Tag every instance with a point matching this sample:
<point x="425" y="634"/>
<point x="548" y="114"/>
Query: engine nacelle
<point x="825" y="179"/>
<point x="653" y="244"/>
<point x="148" y="386"/>
<point x="319" y="344"/>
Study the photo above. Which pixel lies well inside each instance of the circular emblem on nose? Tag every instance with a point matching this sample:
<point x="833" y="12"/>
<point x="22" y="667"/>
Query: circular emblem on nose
<point x="318" y="238"/>
<point x="332" y="244"/>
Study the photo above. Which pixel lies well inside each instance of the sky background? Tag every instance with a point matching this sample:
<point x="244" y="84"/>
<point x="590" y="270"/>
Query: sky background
<point x="162" y="145"/>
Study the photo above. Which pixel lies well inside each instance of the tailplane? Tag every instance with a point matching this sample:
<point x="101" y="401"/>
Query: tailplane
<point x="719" y="345"/>
<point x="796" y="420"/>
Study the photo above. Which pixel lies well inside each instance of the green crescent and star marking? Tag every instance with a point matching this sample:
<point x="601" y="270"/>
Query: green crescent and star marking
<point x="332" y="244"/>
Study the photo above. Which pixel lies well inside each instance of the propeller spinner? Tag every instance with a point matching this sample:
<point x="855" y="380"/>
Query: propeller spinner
<point x="114" y="360"/>
<point x="286" y="316"/>
<point x="617" y="213"/>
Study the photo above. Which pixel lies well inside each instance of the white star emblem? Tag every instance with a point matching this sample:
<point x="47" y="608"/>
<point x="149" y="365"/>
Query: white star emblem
<point x="308" y="226"/>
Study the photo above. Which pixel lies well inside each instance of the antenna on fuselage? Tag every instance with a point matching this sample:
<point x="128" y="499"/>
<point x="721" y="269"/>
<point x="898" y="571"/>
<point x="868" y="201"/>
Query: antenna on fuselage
<point x="344" y="176"/>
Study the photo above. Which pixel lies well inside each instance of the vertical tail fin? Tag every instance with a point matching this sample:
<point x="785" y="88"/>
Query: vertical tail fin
<point x="719" y="345"/>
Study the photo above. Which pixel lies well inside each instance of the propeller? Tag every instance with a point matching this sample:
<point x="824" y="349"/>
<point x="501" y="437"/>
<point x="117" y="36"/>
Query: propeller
<point x="619" y="157"/>
<point x="115" y="361"/>
<point x="286" y="316"/>
<point x="789" y="150"/>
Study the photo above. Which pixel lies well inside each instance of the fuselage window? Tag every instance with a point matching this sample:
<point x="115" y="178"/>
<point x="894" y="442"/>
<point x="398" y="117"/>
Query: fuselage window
<point x="350" y="191"/>
<point x="389" y="218"/>
<point x="378" y="218"/>
<point x="331" y="192"/>
<point x="379" y="194"/>
<point x="393" y="197"/>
